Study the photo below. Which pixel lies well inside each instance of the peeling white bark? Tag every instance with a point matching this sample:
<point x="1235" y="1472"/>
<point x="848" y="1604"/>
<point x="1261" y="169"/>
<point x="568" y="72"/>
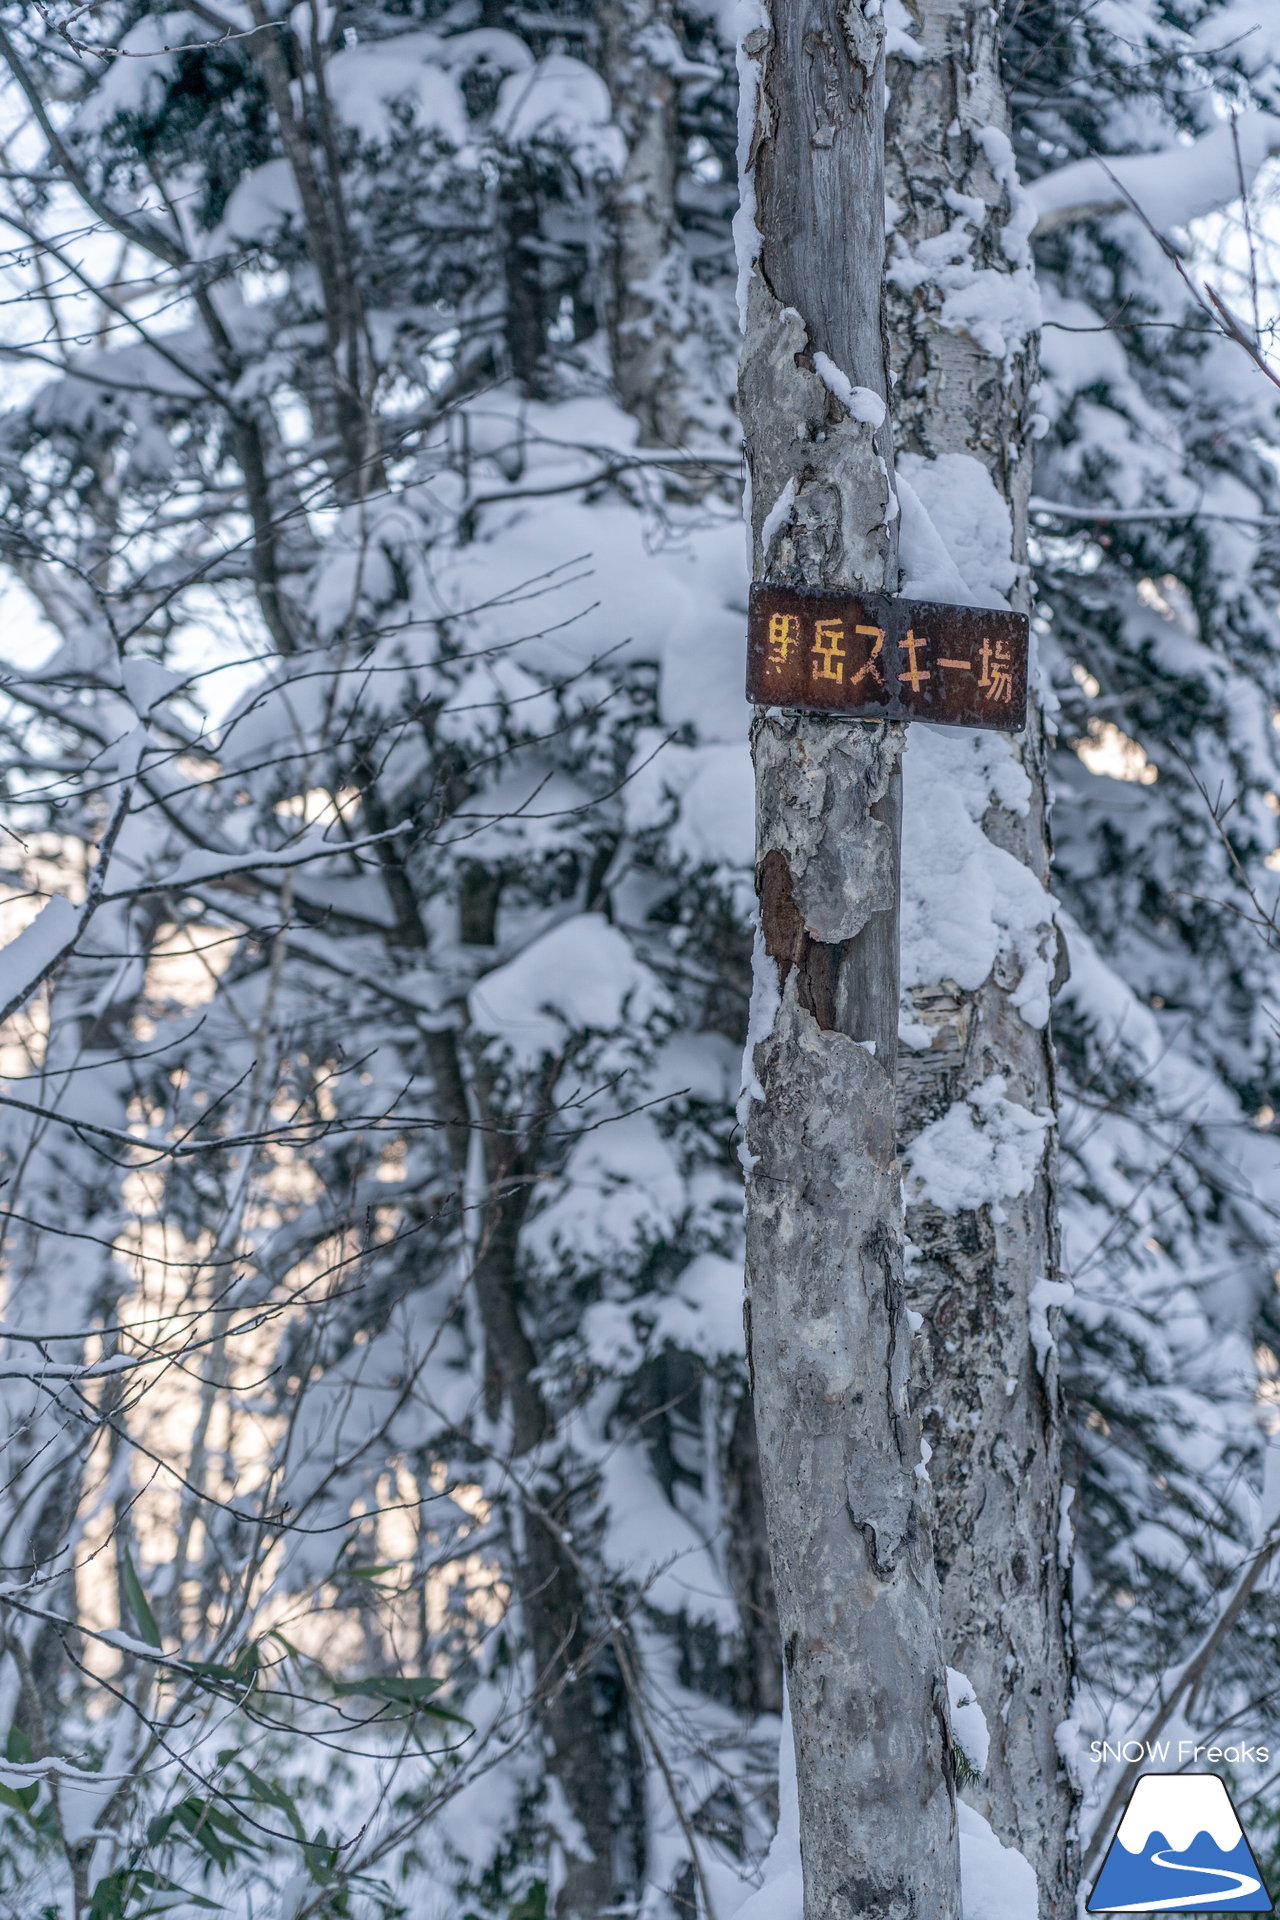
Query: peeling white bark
<point x="996" y="1463"/>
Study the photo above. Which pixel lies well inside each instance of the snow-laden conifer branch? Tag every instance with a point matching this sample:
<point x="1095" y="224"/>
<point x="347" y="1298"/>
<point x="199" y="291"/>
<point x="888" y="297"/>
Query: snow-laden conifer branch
<point x="1171" y="188"/>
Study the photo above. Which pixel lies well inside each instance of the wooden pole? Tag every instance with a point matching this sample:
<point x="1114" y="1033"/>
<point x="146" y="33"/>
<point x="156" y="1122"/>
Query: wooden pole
<point x="828" y="1333"/>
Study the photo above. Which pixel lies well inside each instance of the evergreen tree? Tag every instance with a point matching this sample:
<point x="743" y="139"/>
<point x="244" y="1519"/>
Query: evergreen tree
<point x="1156" y="578"/>
<point x="402" y="659"/>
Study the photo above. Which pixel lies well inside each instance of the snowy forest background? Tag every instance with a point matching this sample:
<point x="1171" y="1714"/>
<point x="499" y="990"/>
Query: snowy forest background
<point x="380" y="1521"/>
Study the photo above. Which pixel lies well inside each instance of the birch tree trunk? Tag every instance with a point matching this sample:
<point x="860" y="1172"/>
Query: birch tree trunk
<point x="828" y="1335"/>
<point x="650" y="298"/>
<point x="992" y="1416"/>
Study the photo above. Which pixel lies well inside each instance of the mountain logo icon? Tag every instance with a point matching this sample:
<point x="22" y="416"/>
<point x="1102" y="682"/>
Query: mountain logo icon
<point x="1180" y="1848"/>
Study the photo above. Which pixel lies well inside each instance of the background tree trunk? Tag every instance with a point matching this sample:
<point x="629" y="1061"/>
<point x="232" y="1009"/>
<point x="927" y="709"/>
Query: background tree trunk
<point x="650" y="296"/>
<point x="991" y="1410"/>
<point x="829" y="1341"/>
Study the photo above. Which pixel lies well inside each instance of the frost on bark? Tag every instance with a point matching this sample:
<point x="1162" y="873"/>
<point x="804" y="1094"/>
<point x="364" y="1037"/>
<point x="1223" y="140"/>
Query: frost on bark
<point x="989" y="1397"/>
<point x="829" y="1340"/>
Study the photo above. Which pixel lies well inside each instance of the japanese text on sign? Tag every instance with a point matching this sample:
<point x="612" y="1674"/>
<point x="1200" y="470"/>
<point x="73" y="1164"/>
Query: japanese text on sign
<point x="871" y="657"/>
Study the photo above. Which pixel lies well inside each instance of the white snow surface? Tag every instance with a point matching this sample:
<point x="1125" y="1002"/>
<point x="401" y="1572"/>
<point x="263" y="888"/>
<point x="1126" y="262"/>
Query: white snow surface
<point x="664" y="591"/>
<point x="135" y="84"/>
<point x="568" y="582"/>
<point x="983" y="1150"/>
<point x="1015" y="240"/>
<point x="996" y="1882"/>
<point x="563" y="101"/>
<point x="147" y="683"/>
<point x="1269" y="1505"/>
<point x="582" y="976"/>
<point x="1044" y="1296"/>
<point x="489" y="1801"/>
<point x="966" y="902"/>
<point x="968" y="1721"/>
<point x="1179" y="1805"/>
<point x="860" y="403"/>
<point x="898" y="38"/>
<point x="364" y="80"/>
<point x="1066" y="1531"/>
<point x="765" y="1002"/>
<point x="748" y="17"/>
<point x="1251" y="29"/>
<point x="998" y="309"/>
<point x="781" y="1896"/>
<point x="702" y="794"/>
<point x="778" y="515"/>
<point x="559" y="1817"/>
<point x="928" y="570"/>
<point x="1170" y="188"/>
<point x="703" y="1315"/>
<point x="83" y="1797"/>
<point x="260" y="203"/>
<point x="648" y="1541"/>
<point x="622" y="1191"/>
<point x="956" y="540"/>
<point x="24" y="960"/>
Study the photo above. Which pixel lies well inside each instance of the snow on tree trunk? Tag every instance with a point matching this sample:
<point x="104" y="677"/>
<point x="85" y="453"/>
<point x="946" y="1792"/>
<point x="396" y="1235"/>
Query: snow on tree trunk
<point x="829" y="1339"/>
<point x="976" y="1070"/>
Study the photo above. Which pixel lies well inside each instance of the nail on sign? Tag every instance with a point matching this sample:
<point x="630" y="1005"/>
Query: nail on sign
<point x="871" y="657"/>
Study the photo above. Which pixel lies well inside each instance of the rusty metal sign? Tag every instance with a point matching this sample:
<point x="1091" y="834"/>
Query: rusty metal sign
<point x="871" y="657"/>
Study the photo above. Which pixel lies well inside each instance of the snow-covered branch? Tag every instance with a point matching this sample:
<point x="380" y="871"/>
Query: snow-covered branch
<point x="1171" y="188"/>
